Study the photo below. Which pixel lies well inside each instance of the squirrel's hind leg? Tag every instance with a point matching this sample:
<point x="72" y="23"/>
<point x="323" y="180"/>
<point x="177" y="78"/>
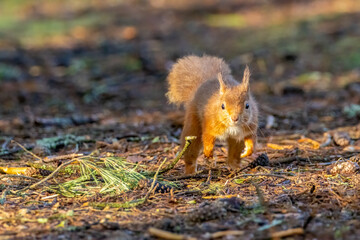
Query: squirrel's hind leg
<point x="234" y="152"/>
<point x="191" y="128"/>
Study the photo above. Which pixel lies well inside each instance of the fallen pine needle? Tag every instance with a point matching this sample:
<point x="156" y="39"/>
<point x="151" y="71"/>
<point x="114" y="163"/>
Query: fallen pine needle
<point x="226" y="233"/>
<point x="62" y="157"/>
<point x="167" y="235"/>
<point x="32" y="154"/>
<point x="286" y="233"/>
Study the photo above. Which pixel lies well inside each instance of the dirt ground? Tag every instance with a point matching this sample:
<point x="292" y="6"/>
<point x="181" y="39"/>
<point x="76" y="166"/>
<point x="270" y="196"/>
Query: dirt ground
<point x="89" y="77"/>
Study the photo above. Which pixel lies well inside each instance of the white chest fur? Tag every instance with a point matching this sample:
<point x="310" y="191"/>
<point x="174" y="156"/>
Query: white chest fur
<point x="235" y="132"/>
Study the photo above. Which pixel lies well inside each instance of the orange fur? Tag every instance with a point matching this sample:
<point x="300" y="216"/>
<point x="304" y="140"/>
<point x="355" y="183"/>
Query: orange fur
<point x="215" y="105"/>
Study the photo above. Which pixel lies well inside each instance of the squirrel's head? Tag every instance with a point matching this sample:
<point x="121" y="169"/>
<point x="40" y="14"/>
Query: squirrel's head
<point x="235" y="102"/>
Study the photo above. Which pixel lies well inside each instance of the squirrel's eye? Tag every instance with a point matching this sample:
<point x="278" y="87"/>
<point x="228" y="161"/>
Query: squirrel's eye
<point x="247" y="105"/>
<point x="223" y="106"/>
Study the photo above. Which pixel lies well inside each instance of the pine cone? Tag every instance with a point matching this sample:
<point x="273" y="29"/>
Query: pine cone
<point x="261" y="160"/>
<point x="355" y="158"/>
<point x="158" y="187"/>
<point x="345" y="168"/>
<point x="44" y="172"/>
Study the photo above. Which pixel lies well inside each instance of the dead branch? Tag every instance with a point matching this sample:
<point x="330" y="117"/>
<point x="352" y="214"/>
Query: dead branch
<point x="226" y="233"/>
<point x="19" y="176"/>
<point x="287" y="233"/>
<point x="62" y="157"/>
<point x="260" y="175"/>
<point x="167" y="235"/>
<point x="32" y="154"/>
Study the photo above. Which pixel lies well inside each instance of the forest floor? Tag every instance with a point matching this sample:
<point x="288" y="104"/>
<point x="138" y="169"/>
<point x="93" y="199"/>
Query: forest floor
<point x="84" y="82"/>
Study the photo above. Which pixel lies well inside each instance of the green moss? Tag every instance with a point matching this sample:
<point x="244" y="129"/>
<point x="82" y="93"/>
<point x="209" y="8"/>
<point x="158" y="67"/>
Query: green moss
<point x="16" y="24"/>
<point x="225" y="20"/>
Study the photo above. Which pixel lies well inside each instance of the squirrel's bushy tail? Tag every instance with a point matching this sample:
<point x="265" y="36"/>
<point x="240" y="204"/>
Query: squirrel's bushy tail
<point x="188" y="73"/>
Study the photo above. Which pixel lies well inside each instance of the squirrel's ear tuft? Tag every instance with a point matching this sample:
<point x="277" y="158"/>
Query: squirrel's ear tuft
<point x="221" y="82"/>
<point x="246" y="78"/>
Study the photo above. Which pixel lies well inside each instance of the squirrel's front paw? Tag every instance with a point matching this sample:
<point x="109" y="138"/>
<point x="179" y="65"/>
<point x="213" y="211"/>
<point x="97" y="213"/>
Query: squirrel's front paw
<point x="190" y="168"/>
<point x="208" y="154"/>
<point x="249" y="148"/>
<point x="234" y="163"/>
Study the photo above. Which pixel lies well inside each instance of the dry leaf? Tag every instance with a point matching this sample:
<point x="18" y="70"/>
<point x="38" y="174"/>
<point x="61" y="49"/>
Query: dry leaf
<point x="315" y="144"/>
<point x="279" y="147"/>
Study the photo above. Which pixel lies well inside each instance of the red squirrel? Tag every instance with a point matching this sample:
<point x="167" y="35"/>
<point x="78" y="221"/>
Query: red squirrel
<point x="216" y="107"/>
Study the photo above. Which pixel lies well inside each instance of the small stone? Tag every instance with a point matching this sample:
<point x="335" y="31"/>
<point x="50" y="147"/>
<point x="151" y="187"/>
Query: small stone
<point x="341" y="138"/>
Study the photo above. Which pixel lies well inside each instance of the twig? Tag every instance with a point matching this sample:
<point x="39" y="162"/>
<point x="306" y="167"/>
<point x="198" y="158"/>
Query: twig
<point x="167" y="235"/>
<point x="177" y="158"/>
<point x="153" y="182"/>
<point x="208" y="178"/>
<point x="226" y="233"/>
<point x="19" y="176"/>
<point x="51" y="196"/>
<point x="188" y="140"/>
<point x="260" y="174"/>
<point x="299" y="159"/>
<point x="15" y="150"/>
<point x="50" y="176"/>
<point x="32" y="154"/>
<point x="289" y="232"/>
<point x="62" y="157"/>
<point x="260" y="196"/>
<point x="200" y="174"/>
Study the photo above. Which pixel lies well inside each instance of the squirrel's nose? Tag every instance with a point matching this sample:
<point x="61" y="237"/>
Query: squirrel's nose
<point x="235" y="118"/>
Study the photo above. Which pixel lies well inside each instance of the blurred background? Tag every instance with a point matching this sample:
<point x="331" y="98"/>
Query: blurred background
<point x="62" y="57"/>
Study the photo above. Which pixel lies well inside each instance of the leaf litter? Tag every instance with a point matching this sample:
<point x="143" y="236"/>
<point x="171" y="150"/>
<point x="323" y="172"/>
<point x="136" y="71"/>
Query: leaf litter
<point x="95" y="177"/>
